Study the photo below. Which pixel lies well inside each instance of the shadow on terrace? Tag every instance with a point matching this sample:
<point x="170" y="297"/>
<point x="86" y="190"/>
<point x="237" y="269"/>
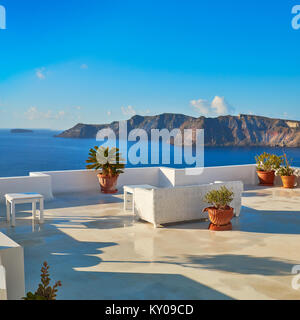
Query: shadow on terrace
<point x="233" y="263"/>
<point x="66" y="256"/>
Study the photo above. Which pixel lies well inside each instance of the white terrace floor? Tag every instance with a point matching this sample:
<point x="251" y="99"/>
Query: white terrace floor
<point x="99" y="252"/>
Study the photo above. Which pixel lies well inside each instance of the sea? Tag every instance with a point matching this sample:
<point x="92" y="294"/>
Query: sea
<point x="40" y="150"/>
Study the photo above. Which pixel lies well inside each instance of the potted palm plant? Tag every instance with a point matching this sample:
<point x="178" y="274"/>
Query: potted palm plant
<point x="110" y="164"/>
<point x="267" y="164"/>
<point x="220" y="213"/>
<point x="288" y="174"/>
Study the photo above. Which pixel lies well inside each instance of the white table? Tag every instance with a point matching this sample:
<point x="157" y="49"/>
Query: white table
<point x="130" y="190"/>
<point x="18" y="198"/>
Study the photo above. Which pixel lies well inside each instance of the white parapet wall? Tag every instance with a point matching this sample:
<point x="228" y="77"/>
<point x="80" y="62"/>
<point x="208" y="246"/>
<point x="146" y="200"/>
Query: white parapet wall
<point x="51" y="183"/>
<point x="193" y="176"/>
<point x="12" y="259"/>
<point x="56" y="182"/>
<point x="36" y="182"/>
<point x="86" y="180"/>
<point x="136" y="176"/>
<point x="69" y="181"/>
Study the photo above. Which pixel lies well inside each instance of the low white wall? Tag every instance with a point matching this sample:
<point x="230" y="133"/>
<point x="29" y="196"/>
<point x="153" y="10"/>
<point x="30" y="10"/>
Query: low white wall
<point x="12" y="259"/>
<point x="72" y="181"/>
<point x="36" y="182"/>
<point x="245" y="173"/>
<point x="136" y="176"/>
<point x="86" y="180"/>
<point x="56" y="182"/>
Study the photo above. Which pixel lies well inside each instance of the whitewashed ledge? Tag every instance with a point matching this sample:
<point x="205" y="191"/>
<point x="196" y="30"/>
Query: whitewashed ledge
<point x="51" y="183"/>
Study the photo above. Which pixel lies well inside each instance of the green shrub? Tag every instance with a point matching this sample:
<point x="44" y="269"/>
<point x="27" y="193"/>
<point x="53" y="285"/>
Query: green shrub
<point x="220" y="199"/>
<point x="268" y="162"/>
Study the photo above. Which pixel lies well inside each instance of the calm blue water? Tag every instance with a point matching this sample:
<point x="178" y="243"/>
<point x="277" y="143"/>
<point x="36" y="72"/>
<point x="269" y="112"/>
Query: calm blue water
<point x="40" y="151"/>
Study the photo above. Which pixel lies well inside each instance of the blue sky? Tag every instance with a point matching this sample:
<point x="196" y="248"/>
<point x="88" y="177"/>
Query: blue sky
<point x="93" y="61"/>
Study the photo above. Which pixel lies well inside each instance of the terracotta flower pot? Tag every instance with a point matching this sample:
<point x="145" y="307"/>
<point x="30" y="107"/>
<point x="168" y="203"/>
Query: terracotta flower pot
<point x="220" y="218"/>
<point x="107" y="183"/>
<point x="266" y="178"/>
<point x="288" y="181"/>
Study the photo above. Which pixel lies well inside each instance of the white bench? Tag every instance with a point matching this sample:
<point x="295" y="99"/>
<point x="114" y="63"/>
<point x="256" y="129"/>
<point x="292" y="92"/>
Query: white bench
<point x="185" y="203"/>
<point x="19" y="198"/>
<point x="130" y="190"/>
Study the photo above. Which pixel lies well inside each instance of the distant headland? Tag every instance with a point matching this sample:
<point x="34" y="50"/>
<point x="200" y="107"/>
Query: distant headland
<point x="241" y="131"/>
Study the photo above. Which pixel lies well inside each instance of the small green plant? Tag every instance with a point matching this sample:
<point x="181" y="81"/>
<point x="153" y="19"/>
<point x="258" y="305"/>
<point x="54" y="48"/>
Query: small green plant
<point x="107" y="160"/>
<point x="286" y="170"/>
<point x="220" y="199"/>
<point x="268" y="162"/>
<point x="44" y="291"/>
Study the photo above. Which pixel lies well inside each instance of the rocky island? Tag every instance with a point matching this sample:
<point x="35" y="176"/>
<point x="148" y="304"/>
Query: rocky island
<point x="21" y="131"/>
<point x="241" y="130"/>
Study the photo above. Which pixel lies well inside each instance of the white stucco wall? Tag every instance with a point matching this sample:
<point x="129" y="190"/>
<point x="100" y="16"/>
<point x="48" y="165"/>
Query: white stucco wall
<point x="72" y="181"/>
<point x="136" y="176"/>
<point x="245" y="173"/>
<point x="3" y="291"/>
<point x="36" y="182"/>
<point x="55" y="182"/>
<point x="86" y="180"/>
<point x="12" y="259"/>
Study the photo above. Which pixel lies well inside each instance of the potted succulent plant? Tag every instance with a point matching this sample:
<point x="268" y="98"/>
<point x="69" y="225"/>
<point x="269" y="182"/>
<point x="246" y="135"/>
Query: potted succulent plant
<point x="110" y="164"/>
<point x="220" y="213"/>
<point x="288" y="174"/>
<point x="267" y="164"/>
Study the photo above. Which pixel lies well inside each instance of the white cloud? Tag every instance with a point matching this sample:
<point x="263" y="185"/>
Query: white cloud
<point x="84" y="66"/>
<point x="202" y="106"/>
<point x="31" y="113"/>
<point x="34" y="114"/>
<point x="40" y="73"/>
<point x="129" y="111"/>
<point x="108" y="113"/>
<point x="59" y="115"/>
<point x="217" y="107"/>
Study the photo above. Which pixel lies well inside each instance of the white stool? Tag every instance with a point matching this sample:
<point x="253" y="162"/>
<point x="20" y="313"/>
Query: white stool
<point x="130" y="190"/>
<point x="17" y="198"/>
